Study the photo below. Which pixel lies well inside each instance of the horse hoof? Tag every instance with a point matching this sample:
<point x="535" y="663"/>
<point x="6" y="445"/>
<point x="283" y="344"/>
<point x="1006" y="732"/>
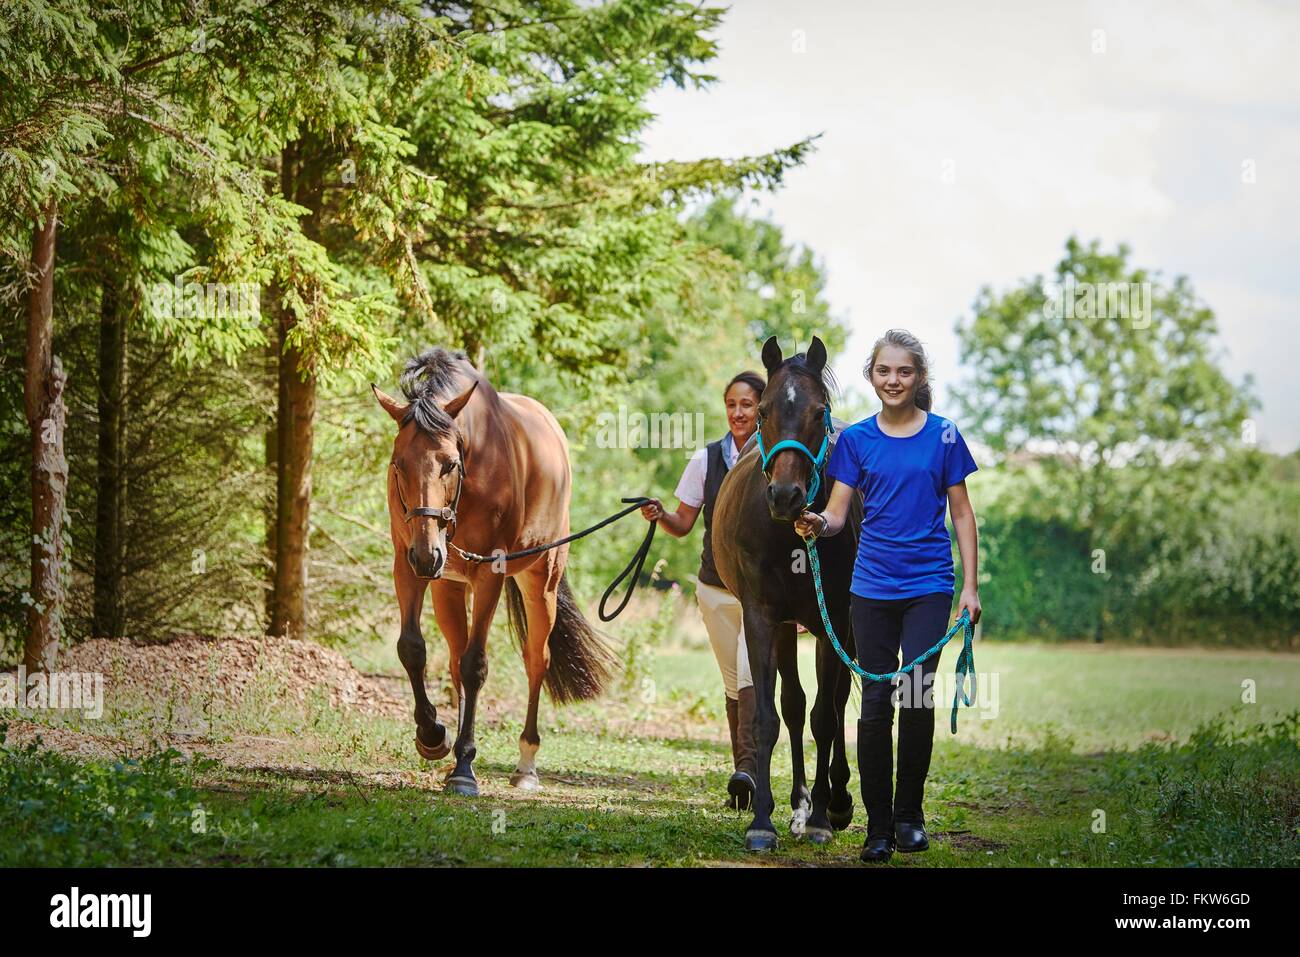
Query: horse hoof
<point x="763" y="841"/>
<point x="840" y="819"/>
<point x="525" y="781"/>
<point x="433" y="753"/>
<point x="818" y="835"/>
<point x="467" y="787"/>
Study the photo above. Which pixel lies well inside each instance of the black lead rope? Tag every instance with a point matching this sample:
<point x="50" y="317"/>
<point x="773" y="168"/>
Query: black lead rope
<point x="633" y="567"/>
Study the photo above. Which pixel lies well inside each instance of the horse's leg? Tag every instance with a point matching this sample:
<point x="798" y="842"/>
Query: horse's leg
<point x="832" y="808"/>
<point x="840" y="810"/>
<point x="473" y="673"/>
<point x="819" y="829"/>
<point x="449" y="610"/>
<point x="539" y="585"/>
<point x="760" y="641"/>
<point x="794" y="705"/>
<point x="431" y="740"/>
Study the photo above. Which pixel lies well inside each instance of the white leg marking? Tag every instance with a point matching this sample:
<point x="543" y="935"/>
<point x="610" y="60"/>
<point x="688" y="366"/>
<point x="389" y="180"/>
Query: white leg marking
<point x="525" y="776"/>
<point x="527" y="757"/>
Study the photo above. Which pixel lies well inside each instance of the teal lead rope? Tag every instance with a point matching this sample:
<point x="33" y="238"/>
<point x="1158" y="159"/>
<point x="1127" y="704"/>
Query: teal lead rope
<point x="965" y="660"/>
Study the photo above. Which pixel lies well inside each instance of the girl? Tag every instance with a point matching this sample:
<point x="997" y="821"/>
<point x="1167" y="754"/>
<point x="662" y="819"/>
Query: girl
<point x="907" y="461"/>
<point x="698" y="489"/>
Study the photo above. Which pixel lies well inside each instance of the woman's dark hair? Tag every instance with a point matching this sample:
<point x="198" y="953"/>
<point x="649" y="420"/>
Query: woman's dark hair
<point x="751" y="379"/>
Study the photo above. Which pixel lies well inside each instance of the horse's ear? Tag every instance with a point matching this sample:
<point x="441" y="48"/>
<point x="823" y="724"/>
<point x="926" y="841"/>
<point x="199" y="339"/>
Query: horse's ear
<point x="771" y="355"/>
<point x="816" y="357"/>
<point x="453" y="407"/>
<point x="394" y="408"/>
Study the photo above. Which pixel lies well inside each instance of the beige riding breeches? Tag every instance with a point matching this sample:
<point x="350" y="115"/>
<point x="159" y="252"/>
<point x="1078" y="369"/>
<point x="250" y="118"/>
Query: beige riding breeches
<point x="721" y="613"/>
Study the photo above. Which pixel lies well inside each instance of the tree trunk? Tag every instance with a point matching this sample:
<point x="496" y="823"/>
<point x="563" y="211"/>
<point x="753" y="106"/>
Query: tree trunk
<point x="297" y="411"/>
<point x="272" y="443"/>
<point x="43" y="401"/>
<point x="110" y="605"/>
<point x="301" y="182"/>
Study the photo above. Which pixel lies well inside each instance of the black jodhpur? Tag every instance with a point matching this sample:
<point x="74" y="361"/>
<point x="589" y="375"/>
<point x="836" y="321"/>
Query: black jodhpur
<point x="880" y="628"/>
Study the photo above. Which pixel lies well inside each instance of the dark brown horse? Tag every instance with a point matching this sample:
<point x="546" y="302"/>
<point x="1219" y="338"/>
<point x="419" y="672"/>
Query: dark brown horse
<point x="485" y="472"/>
<point x="763" y="562"/>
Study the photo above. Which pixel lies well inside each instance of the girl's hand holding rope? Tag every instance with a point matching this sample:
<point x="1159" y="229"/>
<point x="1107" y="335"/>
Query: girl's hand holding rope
<point x="811" y="525"/>
<point x="970" y="601"/>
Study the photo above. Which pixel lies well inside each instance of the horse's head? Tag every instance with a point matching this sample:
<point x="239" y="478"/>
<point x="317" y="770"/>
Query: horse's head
<point x="793" y="426"/>
<point x="426" y="473"/>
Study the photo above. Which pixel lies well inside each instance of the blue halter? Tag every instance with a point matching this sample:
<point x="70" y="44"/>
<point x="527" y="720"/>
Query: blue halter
<point x="817" y="460"/>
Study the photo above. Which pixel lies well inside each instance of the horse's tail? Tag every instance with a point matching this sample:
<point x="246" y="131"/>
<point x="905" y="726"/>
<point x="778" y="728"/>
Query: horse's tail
<point x="581" y="661"/>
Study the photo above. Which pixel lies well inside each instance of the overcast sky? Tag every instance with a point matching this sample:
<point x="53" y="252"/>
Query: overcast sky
<point x="1041" y="137"/>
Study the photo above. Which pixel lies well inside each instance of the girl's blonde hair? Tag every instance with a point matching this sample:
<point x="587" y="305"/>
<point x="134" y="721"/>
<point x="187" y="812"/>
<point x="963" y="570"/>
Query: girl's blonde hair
<point x="905" y="340"/>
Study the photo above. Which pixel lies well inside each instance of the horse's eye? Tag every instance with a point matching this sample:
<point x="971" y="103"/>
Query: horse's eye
<point x="447" y="467"/>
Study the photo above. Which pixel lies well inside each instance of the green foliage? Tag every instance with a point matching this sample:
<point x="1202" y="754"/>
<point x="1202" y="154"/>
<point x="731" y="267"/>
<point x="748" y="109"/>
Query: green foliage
<point x="129" y="107"/>
<point x="1228" y="575"/>
<point x="1035" y="581"/>
<point x="645" y="637"/>
<point x="58" y="812"/>
<point x="556" y="248"/>
<point x="1232" y="578"/>
<point x="1098" y="383"/>
<point x="1117" y="421"/>
<point x="1226" y="797"/>
<point x="480" y="189"/>
<point x="1119" y="400"/>
<point x="747" y="293"/>
<point x="776" y="289"/>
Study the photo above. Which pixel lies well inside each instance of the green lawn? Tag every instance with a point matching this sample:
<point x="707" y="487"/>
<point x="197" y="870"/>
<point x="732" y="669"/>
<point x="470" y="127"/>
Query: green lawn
<point x="1092" y="756"/>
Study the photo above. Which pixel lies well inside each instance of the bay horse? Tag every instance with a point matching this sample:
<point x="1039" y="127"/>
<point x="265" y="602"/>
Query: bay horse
<point x="764" y="563"/>
<point x="478" y="471"/>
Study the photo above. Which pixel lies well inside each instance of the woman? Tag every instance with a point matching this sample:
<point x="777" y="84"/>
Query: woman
<point x="907" y="462"/>
<point x="698" y="488"/>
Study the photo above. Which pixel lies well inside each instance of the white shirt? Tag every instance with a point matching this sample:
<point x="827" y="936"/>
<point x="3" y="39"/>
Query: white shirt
<point x="690" y="490"/>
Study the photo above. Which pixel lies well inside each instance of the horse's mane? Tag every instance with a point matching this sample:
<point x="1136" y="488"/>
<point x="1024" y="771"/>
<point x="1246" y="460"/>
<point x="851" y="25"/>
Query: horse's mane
<point x="430" y="378"/>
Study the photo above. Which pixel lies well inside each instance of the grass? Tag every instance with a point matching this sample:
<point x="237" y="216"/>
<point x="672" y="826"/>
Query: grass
<point x="1087" y="756"/>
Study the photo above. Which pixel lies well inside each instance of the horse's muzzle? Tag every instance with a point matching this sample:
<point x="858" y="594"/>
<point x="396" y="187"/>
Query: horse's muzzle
<point x="427" y="565"/>
<point x="785" y="501"/>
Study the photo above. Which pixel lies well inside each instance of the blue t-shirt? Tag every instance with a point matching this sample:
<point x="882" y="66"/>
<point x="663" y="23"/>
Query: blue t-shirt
<point x="905" y="549"/>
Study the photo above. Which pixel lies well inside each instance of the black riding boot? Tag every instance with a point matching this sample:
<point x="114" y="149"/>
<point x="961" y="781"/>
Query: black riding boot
<point x="876" y="767"/>
<point x="915" y="743"/>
